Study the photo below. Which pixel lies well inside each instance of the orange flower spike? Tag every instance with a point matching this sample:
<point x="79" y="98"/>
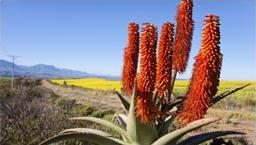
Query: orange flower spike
<point x="183" y="36"/>
<point x="131" y="53"/>
<point x="206" y="73"/>
<point x="147" y="74"/>
<point x="164" y="61"/>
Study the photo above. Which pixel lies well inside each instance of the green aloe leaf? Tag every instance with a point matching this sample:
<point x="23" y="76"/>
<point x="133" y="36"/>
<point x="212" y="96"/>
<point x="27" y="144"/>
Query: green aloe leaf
<point x="105" y="123"/>
<point x="124" y="102"/>
<point x="121" y="119"/>
<point x="197" y="139"/>
<point x="85" y="130"/>
<point x="163" y="129"/>
<point x="173" y="137"/>
<point x="227" y="93"/>
<point x="138" y="132"/>
<point x="155" y="100"/>
<point x="175" y="103"/>
<point x="131" y="124"/>
<point x="90" y="136"/>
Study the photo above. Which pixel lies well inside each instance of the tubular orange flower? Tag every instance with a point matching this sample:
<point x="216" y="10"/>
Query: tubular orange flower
<point x="164" y="61"/>
<point x="131" y="53"/>
<point x="183" y="36"/>
<point x="147" y="75"/>
<point x="206" y="73"/>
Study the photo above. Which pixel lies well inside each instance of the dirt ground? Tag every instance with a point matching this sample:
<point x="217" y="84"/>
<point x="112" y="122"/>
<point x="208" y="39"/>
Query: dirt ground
<point x="108" y="100"/>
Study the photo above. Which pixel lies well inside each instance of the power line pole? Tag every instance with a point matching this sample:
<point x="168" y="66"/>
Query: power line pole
<point x="1" y="25"/>
<point x="13" y="67"/>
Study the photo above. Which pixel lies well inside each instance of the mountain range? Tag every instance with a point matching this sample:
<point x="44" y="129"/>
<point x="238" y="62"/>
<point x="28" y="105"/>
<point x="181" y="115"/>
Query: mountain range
<point x="40" y="70"/>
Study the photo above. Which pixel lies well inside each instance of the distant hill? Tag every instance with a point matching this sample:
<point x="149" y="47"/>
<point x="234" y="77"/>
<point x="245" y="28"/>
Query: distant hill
<point x="40" y="70"/>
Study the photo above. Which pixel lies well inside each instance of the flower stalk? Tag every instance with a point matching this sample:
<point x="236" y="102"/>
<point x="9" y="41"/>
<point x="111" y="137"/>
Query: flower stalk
<point x="130" y="59"/>
<point x="164" y="60"/>
<point x="205" y="79"/>
<point x="147" y="74"/>
<point x="183" y="36"/>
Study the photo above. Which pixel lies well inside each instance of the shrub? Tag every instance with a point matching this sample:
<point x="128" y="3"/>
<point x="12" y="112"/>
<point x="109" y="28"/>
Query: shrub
<point x="26" y="115"/>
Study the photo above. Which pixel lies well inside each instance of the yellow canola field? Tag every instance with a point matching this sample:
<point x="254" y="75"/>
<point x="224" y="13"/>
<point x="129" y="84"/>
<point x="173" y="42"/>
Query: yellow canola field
<point x="91" y="83"/>
<point x="245" y="96"/>
<point x="180" y="85"/>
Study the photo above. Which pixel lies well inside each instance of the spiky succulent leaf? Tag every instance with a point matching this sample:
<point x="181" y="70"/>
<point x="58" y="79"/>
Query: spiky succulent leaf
<point x="197" y="139"/>
<point x="227" y="93"/>
<point x="173" y="137"/>
<point x="131" y="124"/>
<point x="155" y="99"/>
<point x="95" y="137"/>
<point x="164" y="127"/>
<point x="121" y="120"/>
<point x="175" y="103"/>
<point x="85" y="130"/>
<point x="138" y="132"/>
<point x="124" y="102"/>
<point x="105" y="123"/>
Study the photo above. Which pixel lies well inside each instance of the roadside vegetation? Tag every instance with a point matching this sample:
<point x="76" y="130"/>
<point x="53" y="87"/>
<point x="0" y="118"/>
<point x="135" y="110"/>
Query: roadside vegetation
<point x="30" y="113"/>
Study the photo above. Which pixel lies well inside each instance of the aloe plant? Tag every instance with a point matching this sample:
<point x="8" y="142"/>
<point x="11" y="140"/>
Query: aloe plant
<point x="133" y="132"/>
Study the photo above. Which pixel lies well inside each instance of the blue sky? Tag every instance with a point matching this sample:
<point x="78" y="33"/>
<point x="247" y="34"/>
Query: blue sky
<point x="89" y="35"/>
